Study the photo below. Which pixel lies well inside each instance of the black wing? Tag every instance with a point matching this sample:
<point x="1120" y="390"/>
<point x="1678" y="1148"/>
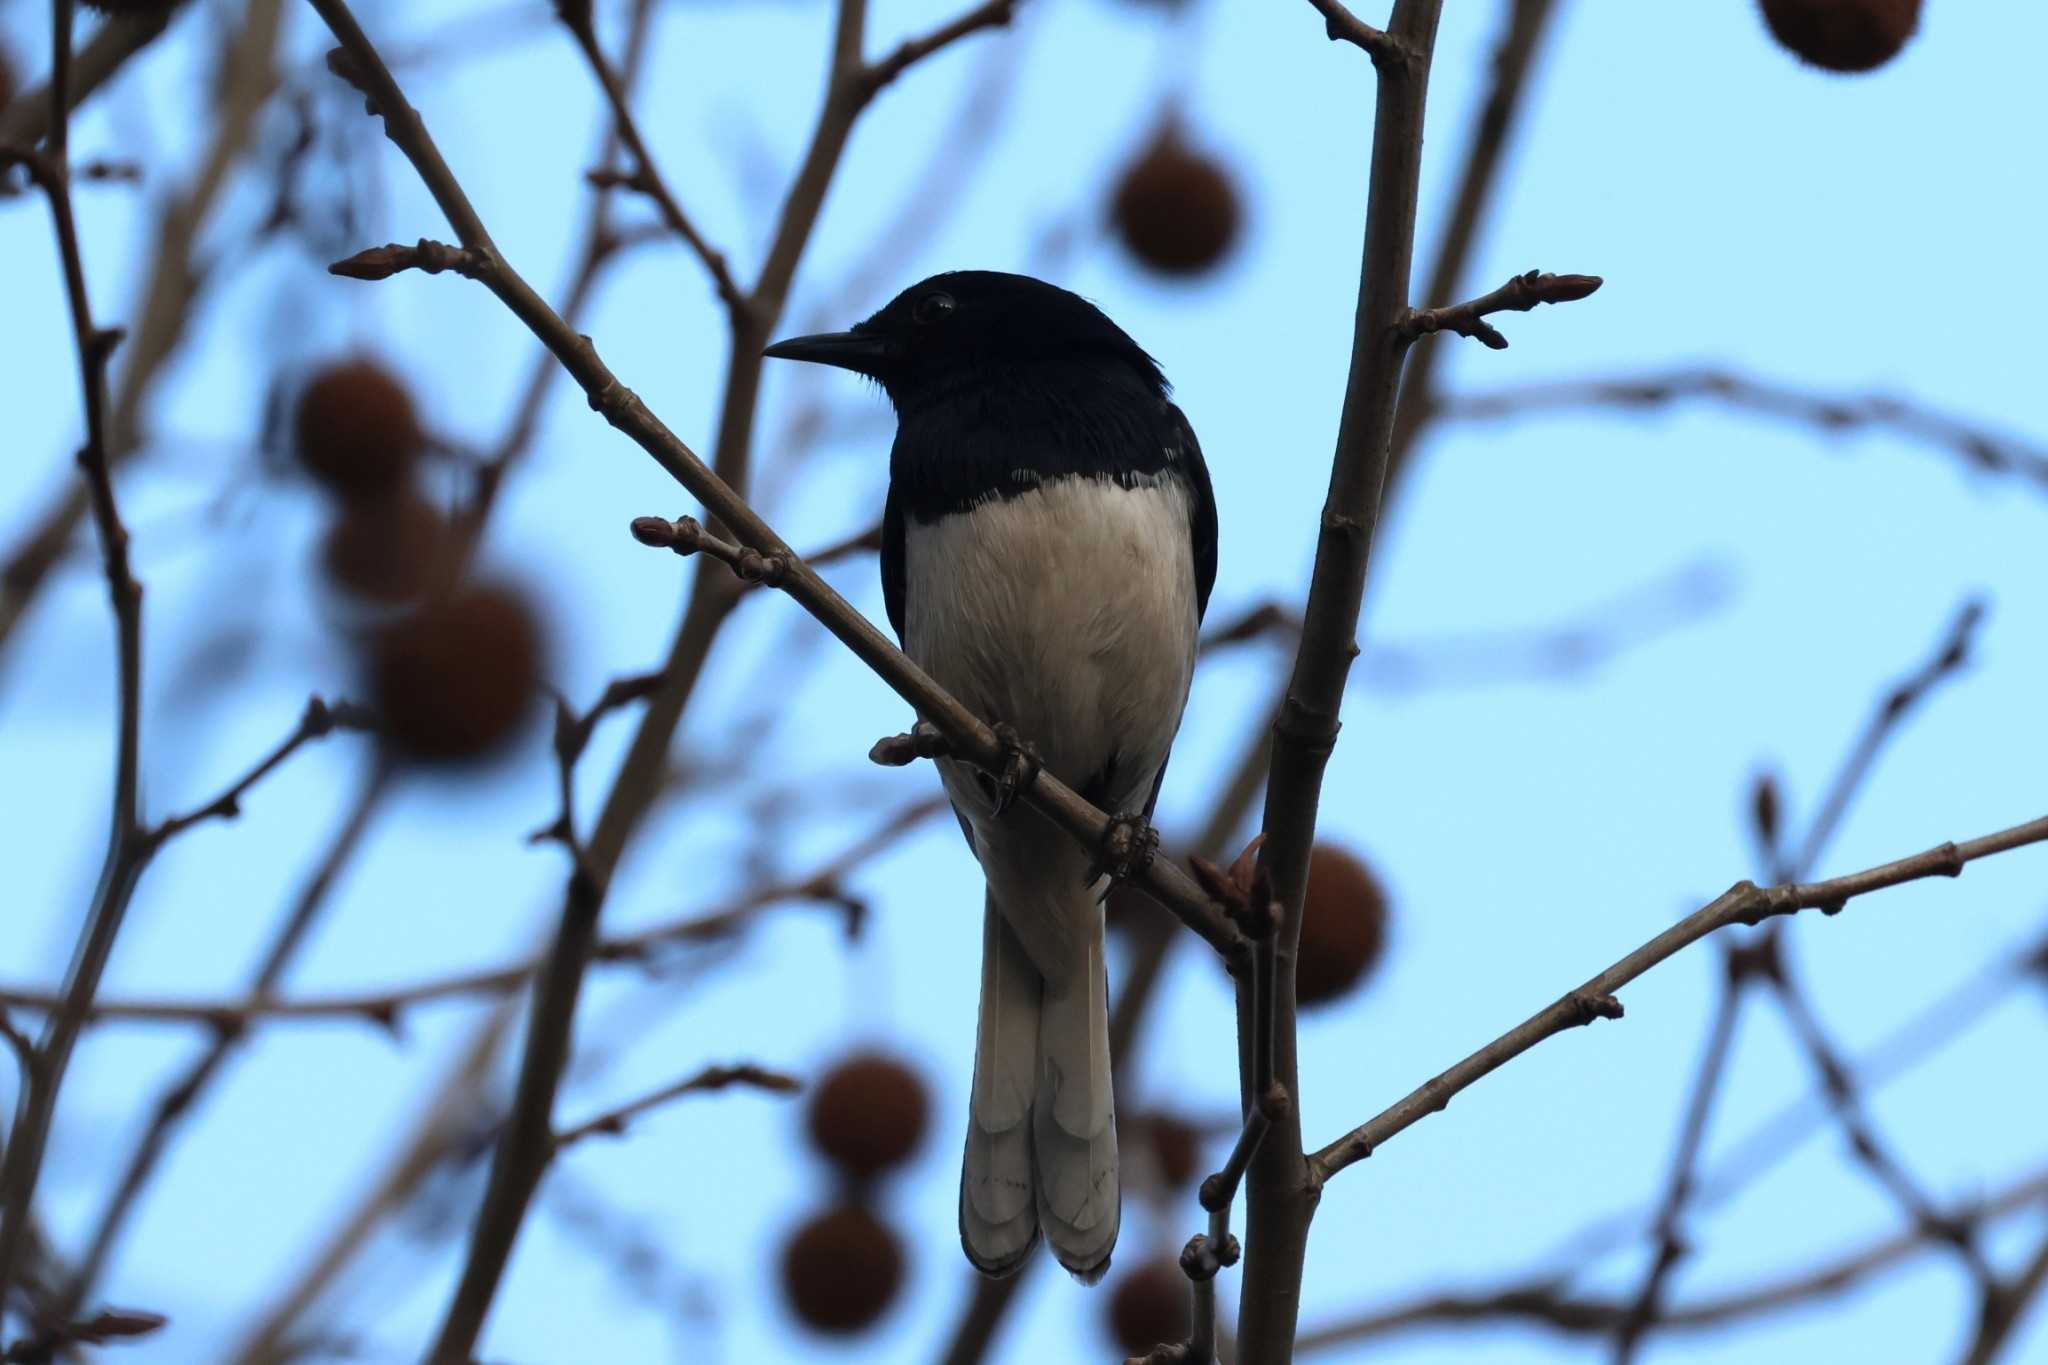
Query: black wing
<point x="1187" y="457"/>
<point x="892" y="560"/>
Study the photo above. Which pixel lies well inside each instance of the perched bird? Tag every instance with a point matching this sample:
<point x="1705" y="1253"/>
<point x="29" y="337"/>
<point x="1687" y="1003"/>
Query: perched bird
<point x="1048" y="547"/>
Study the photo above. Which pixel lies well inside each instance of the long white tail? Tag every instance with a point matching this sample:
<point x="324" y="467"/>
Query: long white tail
<point x="1041" y="1134"/>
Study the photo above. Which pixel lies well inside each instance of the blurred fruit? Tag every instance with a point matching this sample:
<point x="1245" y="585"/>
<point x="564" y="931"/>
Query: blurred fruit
<point x="1343" y="925"/>
<point x="454" y="679"/>
<point x="1843" y="35"/>
<point x="1176" y="1147"/>
<point x="1175" y="207"/>
<point x="355" y="429"/>
<point x="1149" y="1307"/>
<point x="386" y="549"/>
<point x="841" y="1270"/>
<point x="868" y="1114"/>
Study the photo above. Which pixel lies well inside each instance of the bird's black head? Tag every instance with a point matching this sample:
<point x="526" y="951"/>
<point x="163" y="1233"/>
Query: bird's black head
<point x="970" y="326"/>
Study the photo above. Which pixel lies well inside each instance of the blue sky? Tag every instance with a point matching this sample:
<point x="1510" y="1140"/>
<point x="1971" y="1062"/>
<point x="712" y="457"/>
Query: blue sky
<point x="1877" y="233"/>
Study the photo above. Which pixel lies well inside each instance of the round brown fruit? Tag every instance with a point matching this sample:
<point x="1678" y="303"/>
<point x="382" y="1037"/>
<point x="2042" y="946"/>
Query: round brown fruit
<point x="841" y="1270"/>
<point x="1176" y="207"/>
<point x="1843" y="35"/>
<point x="456" y="678"/>
<point x="355" y="429"/>
<point x="1343" y="925"/>
<point x="1176" y="1147"/>
<point x="385" y="549"/>
<point x="1149" y="1307"/>
<point x="868" y="1114"/>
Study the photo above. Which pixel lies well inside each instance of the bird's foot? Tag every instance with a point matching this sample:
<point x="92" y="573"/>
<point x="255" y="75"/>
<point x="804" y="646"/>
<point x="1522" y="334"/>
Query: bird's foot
<point x="1127" y="847"/>
<point x="1021" y="766"/>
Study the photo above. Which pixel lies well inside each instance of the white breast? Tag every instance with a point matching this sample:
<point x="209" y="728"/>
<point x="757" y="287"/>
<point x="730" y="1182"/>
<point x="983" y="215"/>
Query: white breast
<point x="1069" y="612"/>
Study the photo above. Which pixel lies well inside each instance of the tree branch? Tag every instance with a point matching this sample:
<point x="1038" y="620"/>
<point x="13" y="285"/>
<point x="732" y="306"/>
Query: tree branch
<point x="127" y="847"/>
<point x="613" y="1122"/>
<point x="646" y="177"/>
<point x="1280" y="1193"/>
<point x="1345" y="27"/>
<point x="317" y="722"/>
<point x="1828" y="414"/>
<point x="177" y="1100"/>
<point x="1520" y="294"/>
<point x="1544" y="1304"/>
<point x="1743" y="903"/>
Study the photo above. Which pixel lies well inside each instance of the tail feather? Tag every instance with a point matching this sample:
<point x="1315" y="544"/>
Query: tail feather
<point x="998" y="1203"/>
<point x="1074" y="1115"/>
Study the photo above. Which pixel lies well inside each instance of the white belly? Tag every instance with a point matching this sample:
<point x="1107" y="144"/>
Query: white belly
<point x="1069" y="612"/>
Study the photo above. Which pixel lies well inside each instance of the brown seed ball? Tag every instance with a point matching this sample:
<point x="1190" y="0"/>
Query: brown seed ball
<point x="868" y="1114"/>
<point x="1176" y="1147"/>
<point x="1343" y="925"/>
<point x="1175" y="207"/>
<point x="841" y="1270"/>
<point x="355" y="429"/>
<point x="386" y="549"/>
<point x="1843" y="35"/>
<point x="455" y="679"/>
<point x="1149" y="1307"/>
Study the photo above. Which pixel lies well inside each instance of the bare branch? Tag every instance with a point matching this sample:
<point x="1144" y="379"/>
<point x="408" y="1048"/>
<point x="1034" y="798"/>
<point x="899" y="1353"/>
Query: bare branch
<point x="127" y="849"/>
<point x="431" y="257"/>
<point x="177" y="275"/>
<point x="1514" y="55"/>
<point x="646" y="177"/>
<point x="1280" y="1198"/>
<point x="26" y="121"/>
<point x="989" y="14"/>
<point x="613" y="1122"/>
<point x="108" y="1327"/>
<point x="177" y="1101"/>
<point x="1542" y="1303"/>
<point x="1829" y="414"/>
<point x="1743" y="903"/>
<point x="1345" y="27"/>
<point x="1518" y="295"/>
<point x="686" y="536"/>
<point x="317" y="722"/>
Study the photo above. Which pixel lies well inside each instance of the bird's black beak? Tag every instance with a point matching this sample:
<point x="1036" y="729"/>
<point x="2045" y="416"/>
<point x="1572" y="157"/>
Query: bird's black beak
<point x="863" y="352"/>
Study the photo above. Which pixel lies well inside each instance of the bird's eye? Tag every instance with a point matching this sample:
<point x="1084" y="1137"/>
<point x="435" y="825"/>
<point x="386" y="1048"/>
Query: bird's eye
<point x="934" y="307"/>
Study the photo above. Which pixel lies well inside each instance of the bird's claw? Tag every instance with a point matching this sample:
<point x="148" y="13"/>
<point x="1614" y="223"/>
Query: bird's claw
<point x="1127" y="847"/>
<point x="1021" y="766"/>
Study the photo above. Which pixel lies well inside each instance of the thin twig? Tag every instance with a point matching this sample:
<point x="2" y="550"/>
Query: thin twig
<point x="1520" y="294"/>
<point x="1977" y="446"/>
<point x="1513" y="57"/>
<point x="613" y="1122"/>
<point x="1643" y="1309"/>
<point x="1345" y="27"/>
<point x="317" y="722"/>
<point x="127" y="848"/>
<point x="1743" y="903"/>
<point x="177" y="1100"/>
<point x="1542" y="1303"/>
<point x="177" y="276"/>
<point x="646" y="177"/>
